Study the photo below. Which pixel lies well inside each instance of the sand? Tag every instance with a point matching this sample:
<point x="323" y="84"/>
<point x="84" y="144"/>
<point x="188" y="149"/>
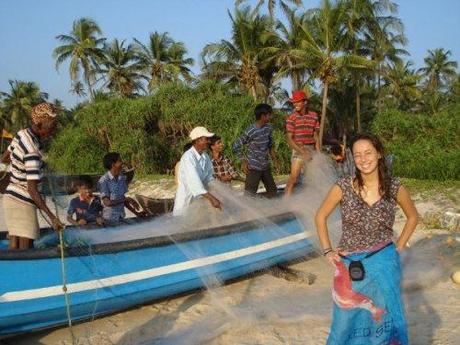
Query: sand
<point x="266" y="309"/>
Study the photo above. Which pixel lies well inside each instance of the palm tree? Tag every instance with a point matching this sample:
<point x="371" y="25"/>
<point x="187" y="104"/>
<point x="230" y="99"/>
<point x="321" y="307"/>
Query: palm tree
<point x="438" y="70"/>
<point x="370" y="27"/>
<point x="78" y="89"/>
<point x="271" y="4"/>
<point x="121" y="69"/>
<point x="384" y="40"/>
<point x="359" y="17"/>
<point x="242" y="62"/>
<point x="82" y="46"/>
<point x="342" y="119"/>
<point x="285" y="53"/>
<point x="400" y="85"/>
<point x="323" y="41"/>
<point x="163" y="59"/>
<point x="18" y="103"/>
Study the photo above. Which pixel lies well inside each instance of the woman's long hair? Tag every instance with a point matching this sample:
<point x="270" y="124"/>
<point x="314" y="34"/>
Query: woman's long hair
<point x="383" y="172"/>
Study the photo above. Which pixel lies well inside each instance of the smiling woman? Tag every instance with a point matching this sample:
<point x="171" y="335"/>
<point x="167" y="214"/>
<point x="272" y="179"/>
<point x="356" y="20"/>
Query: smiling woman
<point x="368" y="154"/>
<point x="368" y="204"/>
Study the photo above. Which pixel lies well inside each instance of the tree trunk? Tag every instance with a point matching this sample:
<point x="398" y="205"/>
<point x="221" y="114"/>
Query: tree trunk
<point x="379" y="101"/>
<point x="254" y="92"/>
<point x="323" y="114"/>
<point x="90" y="88"/>
<point x="296" y="81"/>
<point x="358" y="111"/>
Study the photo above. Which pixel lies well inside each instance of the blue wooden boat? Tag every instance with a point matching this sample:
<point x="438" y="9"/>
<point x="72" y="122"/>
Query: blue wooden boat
<point x="109" y="277"/>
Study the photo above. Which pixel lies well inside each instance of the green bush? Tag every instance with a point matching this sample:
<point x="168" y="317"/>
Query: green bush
<point x="114" y="125"/>
<point x="425" y="146"/>
<point x="72" y="151"/>
<point x="150" y="131"/>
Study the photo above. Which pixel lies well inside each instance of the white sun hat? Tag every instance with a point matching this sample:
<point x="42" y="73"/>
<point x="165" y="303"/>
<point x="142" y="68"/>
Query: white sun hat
<point x="199" y="132"/>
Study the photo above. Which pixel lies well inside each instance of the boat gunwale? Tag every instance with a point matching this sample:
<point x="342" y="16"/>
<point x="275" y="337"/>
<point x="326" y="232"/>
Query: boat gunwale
<point x="129" y="245"/>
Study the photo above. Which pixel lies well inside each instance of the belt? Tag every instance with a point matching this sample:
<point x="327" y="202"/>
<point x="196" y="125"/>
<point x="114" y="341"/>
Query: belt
<point x="371" y="253"/>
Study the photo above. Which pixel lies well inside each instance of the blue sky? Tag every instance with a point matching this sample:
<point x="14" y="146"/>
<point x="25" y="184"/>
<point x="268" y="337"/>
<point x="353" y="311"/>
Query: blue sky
<point x="28" y="29"/>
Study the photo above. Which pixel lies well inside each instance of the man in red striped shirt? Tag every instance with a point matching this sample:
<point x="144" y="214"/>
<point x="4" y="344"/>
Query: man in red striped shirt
<point x="302" y="128"/>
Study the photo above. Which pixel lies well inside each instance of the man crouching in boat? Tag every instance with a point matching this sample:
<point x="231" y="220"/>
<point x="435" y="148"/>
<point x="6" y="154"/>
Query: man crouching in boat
<point x="22" y="197"/>
<point x="113" y="187"/>
<point x="195" y="172"/>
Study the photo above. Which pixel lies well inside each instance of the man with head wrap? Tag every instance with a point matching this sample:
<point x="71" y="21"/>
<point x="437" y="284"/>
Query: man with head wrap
<point x="22" y="198"/>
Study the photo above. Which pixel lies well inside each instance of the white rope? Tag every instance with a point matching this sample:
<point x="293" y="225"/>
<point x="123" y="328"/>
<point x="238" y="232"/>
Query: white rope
<point x="63" y="270"/>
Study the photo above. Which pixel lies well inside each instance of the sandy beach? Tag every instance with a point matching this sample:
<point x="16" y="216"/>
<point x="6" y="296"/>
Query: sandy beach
<point x="271" y="309"/>
<point x="281" y="144"/>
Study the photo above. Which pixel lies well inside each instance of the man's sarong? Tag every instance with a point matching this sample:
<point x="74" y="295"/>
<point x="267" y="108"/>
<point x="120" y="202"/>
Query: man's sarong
<point x="369" y="311"/>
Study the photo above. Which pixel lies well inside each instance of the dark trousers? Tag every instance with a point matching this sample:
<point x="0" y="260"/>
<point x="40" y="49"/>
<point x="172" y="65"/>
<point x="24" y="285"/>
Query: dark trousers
<point x="255" y="176"/>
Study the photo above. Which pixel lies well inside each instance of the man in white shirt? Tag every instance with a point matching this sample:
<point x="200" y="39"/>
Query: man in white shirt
<point x="195" y="173"/>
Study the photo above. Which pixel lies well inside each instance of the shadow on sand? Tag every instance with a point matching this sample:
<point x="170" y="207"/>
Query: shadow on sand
<point x="160" y="325"/>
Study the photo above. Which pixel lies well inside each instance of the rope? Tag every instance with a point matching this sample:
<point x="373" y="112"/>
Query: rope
<point x="63" y="270"/>
<point x="64" y="285"/>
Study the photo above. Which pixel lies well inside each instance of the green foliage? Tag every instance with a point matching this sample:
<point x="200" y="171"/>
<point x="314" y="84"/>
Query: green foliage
<point x="82" y="46"/>
<point x="18" y="103"/>
<point x="71" y="152"/>
<point x="111" y="125"/>
<point x="436" y="186"/>
<point x="425" y="146"/>
<point x="150" y="132"/>
<point x="163" y="59"/>
<point x="242" y="61"/>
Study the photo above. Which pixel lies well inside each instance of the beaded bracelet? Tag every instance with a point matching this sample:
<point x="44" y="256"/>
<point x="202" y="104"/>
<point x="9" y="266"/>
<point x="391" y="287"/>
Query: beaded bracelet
<point x="327" y="251"/>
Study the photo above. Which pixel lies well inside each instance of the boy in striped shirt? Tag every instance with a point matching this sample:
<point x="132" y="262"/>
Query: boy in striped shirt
<point x="302" y="129"/>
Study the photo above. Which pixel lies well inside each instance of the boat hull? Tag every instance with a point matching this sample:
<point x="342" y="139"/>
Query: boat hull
<point x="32" y="298"/>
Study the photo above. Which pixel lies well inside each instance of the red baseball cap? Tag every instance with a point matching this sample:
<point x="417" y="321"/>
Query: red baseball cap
<point x="298" y="96"/>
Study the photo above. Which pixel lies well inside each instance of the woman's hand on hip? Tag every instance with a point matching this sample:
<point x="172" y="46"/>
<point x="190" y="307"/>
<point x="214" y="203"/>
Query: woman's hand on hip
<point x="333" y="257"/>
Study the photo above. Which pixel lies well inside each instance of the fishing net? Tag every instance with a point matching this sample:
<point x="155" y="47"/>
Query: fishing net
<point x="82" y="249"/>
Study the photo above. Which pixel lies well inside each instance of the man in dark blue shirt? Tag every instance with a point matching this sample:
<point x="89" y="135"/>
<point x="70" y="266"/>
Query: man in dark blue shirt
<point x="259" y="143"/>
<point x="86" y="207"/>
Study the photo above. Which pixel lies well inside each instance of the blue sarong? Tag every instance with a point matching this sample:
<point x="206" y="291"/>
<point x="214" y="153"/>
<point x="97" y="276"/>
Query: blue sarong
<point x="370" y="311"/>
